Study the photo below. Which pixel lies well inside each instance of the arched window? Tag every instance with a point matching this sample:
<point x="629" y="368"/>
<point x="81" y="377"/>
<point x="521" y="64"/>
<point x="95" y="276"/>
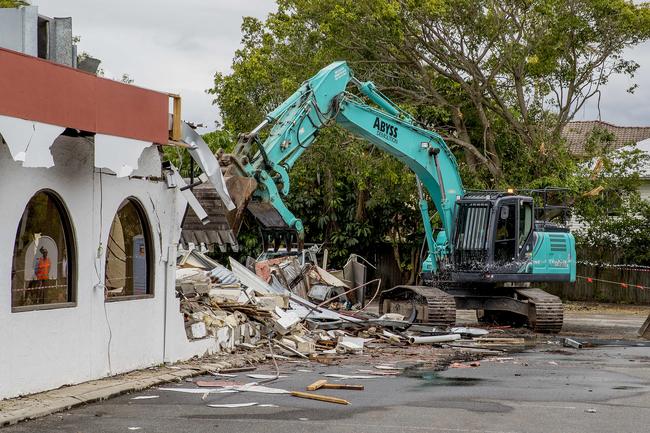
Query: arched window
<point x="44" y="261"/>
<point x="129" y="253"/>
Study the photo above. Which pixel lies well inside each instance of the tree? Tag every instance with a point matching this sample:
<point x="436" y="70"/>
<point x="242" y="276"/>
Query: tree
<point x="612" y="215"/>
<point x="520" y="68"/>
<point x="498" y="79"/>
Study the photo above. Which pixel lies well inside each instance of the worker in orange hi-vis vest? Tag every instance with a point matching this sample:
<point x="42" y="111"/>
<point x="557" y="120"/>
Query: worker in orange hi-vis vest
<point x="42" y="266"/>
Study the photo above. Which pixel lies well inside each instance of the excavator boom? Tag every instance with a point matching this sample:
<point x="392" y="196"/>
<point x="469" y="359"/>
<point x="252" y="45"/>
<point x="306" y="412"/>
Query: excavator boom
<point x="489" y="240"/>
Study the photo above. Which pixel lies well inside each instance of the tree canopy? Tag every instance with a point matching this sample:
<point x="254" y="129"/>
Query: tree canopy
<point x="498" y="79"/>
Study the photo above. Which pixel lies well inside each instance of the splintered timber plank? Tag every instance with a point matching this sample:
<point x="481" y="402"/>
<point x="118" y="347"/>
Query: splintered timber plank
<point x="237" y="370"/>
<point x="319" y="397"/>
<point x="316" y="385"/>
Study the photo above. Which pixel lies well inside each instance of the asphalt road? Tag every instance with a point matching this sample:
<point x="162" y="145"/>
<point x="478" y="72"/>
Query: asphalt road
<point x="550" y="389"/>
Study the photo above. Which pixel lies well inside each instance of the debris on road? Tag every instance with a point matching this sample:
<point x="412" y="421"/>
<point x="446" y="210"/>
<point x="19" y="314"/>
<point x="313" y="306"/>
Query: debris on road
<point x="263" y="376"/>
<point x="462" y="365"/>
<point x="387" y="367"/>
<point x="301" y="313"/>
<point x="316" y="385"/>
<point x="434" y="339"/>
<point x="217" y="383"/>
<point x="294" y="310"/>
<point x="343" y="386"/>
<point x="225" y="372"/>
<point x="322" y="383"/>
<point x="570" y="342"/>
<point x="319" y="397"/>
<point x="350" y="376"/>
<point x="234" y="405"/>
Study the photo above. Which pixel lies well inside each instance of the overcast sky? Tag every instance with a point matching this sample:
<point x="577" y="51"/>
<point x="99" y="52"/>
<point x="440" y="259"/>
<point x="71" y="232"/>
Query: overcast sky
<point x="177" y="46"/>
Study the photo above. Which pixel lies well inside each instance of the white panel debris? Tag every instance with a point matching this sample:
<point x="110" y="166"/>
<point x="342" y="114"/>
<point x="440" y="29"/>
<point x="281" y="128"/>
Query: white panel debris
<point x="178" y="181"/>
<point x="199" y="390"/>
<point x="118" y="154"/>
<point x="264" y="376"/>
<point x="348" y="344"/>
<point x="252" y="387"/>
<point x="233" y="405"/>
<point x="202" y="154"/>
<point x="29" y="142"/>
<point x="249" y="278"/>
<point x="351" y="376"/>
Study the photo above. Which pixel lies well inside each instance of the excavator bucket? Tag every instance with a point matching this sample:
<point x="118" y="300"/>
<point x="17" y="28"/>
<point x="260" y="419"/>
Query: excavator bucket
<point x="224" y="225"/>
<point x="241" y="189"/>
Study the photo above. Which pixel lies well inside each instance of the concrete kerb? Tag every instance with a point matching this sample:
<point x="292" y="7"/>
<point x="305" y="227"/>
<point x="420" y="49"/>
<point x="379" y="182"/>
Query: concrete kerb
<point x="15" y="410"/>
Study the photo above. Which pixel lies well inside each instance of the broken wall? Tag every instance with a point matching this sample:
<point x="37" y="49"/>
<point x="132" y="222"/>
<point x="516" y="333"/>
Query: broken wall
<point x="47" y="348"/>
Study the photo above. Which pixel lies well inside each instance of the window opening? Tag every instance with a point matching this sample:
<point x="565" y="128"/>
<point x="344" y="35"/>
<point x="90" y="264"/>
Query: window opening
<point x="128" y="252"/>
<point x="42" y="271"/>
<point x="504" y="245"/>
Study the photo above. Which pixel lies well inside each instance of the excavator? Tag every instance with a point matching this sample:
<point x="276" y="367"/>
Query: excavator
<point x="492" y="246"/>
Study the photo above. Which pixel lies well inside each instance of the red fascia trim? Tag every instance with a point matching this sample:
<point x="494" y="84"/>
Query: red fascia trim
<point x="35" y="89"/>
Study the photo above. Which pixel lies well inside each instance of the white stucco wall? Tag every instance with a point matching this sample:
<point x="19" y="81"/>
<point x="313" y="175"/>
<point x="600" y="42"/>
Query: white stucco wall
<point x="644" y="189"/>
<point x="45" y="349"/>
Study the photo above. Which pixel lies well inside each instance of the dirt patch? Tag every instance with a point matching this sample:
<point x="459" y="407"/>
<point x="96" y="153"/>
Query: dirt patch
<point x="598" y="307"/>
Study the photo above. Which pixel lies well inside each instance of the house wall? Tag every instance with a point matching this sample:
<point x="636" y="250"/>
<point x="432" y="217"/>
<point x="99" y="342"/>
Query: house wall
<point x="18" y="29"/>
<point x="644" y="189"/>
<point x="44" y="349"/>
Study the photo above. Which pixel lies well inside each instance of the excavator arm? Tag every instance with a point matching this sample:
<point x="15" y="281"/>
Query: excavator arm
<point x="322" y="101"/>
<point x="492" y="244"/>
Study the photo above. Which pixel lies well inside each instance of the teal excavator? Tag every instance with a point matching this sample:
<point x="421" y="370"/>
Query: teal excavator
<point x="492" y="246"/>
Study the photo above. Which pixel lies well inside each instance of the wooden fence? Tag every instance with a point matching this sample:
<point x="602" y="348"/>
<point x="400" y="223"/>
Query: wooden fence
<point x="608" y="283"/>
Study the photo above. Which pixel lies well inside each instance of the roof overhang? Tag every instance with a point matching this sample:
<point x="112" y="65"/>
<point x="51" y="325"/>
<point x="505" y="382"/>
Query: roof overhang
<point x="38" y="90"/>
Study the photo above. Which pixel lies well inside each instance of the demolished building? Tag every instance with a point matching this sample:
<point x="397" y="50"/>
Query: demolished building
<point x="90" y="221"/>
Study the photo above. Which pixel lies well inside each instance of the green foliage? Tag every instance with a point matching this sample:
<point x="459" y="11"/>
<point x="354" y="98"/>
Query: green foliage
<point x="498" y="79"/>
<point x="507" y="74"/>
<point x="13" y="3"/>
<point x="615" y="221"/>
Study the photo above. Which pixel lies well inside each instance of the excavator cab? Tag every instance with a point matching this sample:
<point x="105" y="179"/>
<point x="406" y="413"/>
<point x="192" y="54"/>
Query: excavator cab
<point x="498" y="239"/>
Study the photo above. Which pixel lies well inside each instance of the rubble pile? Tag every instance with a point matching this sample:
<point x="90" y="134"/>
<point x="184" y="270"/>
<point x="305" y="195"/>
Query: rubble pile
<point x="241" y="310"/>
<point x="298" y="314"/>
<point x="293" y="310"/>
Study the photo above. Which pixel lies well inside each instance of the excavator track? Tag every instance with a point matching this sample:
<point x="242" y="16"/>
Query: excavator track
<point x="546" y="313"/>
<point x="431" y="306"/>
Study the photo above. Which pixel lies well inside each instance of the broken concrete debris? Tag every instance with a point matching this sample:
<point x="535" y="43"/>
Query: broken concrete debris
<point x="302" y="313"/>
<point x="290" y="310"/>
<point x="570" y="342"/>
